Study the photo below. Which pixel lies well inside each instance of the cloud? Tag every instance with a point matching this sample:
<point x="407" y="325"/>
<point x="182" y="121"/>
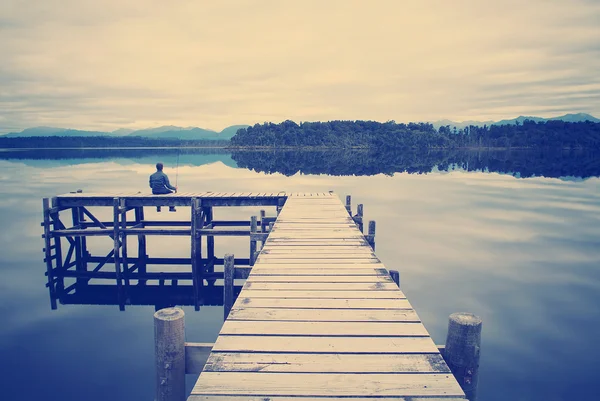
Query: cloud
<point x="104" y="65"/>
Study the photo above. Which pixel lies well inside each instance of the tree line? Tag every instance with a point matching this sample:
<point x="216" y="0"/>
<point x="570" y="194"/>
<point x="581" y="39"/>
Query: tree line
<point x="372" y="134"/>
<point x="77" y="142"/>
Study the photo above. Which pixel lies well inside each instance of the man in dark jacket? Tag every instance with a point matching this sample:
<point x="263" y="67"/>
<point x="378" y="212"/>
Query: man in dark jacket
<point x="159" y="182"/>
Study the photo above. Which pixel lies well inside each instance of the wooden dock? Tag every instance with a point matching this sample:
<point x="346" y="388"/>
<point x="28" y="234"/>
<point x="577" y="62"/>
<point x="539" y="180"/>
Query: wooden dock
<point x="319" y="318"/>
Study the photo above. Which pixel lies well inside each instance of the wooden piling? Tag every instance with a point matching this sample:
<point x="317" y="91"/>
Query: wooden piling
<point x="358" y="219"/>
<point x="253" y="228"/>
<point x="169" y="351"/>
<point x="142" y="256"/>
<point x="462" y="350"/>
<point x="371" y="235"/>
<point x="210" y="243"/>
<point x="116" y="253"/>
<point x="48" y="252"/>
<point x="196" y="252"/>
<point x="76" y="217"/>
<point x="395" y="274"/>
<point x="349" y="204"/>
<point x="228" y="282"/>
<point x="125" y="262"/>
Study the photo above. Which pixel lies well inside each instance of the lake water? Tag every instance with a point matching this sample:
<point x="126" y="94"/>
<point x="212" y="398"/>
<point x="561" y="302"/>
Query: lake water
<point x="522" y="253"/>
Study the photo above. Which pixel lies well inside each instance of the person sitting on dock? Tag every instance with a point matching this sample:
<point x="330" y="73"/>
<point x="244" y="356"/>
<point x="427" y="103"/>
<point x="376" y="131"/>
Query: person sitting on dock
<point x="159" y="182"/>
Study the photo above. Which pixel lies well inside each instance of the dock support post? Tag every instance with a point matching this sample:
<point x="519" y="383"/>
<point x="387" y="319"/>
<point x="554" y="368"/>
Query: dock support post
<point x="253" y="228"/>
<point x="197" y="268"/>
<point x="123" y="216"/>
<point x="142" y="256"/>
<point x="169" y="351"/>
<point x="349" y="204"/>
<point x="395" y="274"/>
<point x="263" y="226"/>
<point x="228" y="282"/>
<point x="60" y="267"/>
<point x="76" y="217"/>
<point x="358" y="219"/>
<point x="280" y="203"/>
<point x="117" y="246"/>
<point x="462" y="350"/>
<point x="371" y="235"/>
<point x="210" y="243"/>
<point x="48" y="253"/>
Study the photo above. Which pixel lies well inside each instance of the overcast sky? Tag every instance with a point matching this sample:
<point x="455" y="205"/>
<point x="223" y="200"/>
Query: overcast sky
<point x="140" y="63"/>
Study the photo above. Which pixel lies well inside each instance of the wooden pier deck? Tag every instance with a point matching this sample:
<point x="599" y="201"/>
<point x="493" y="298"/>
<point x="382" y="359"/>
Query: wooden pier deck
<point x="319" y="318"/>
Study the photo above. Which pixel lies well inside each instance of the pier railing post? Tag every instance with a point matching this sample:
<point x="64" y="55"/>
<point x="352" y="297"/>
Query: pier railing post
<point x="462" y="350"/>
<point x="253" y="228"/>
<point x="169" y="351"/>
<point x="395" y="274"/>
<point x="349" y="204"/>
<point x="228" y="281"/>
<point x="358" y="219"/>
<point x="371" y="235"/>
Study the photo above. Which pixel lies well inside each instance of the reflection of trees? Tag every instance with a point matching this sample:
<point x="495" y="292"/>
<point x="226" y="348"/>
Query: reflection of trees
<point x="577" y="163"/>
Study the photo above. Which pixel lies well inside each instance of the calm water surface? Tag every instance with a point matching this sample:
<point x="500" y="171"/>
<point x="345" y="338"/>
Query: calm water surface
<point x="524" y="254"/>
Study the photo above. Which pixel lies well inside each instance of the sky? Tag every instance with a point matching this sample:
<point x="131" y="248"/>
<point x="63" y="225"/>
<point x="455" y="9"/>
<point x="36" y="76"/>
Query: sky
<point x="143" y="63"/>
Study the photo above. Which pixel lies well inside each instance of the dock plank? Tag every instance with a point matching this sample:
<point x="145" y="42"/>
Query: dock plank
<point x="320" y="329"/>
<point x="325" y="363"/>
<point x="314" y="384"/>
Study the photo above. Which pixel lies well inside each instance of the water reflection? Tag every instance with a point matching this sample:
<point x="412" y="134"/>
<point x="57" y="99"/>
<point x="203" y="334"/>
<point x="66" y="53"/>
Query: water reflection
<point x="524" y="254"/>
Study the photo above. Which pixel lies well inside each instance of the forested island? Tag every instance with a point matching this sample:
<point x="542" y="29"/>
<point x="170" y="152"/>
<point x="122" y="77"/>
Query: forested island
<point x="392" y="135"/>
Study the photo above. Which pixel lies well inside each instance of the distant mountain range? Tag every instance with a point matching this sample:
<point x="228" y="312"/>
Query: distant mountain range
<point x="188" y="133"/>
<point x="579" y="117"/>
<point x="167" y="131"/>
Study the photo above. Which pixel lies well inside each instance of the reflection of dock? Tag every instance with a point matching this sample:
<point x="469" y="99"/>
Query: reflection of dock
<point x="125" y="273"/>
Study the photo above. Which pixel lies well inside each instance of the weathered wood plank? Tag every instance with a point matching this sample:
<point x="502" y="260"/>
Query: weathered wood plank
<point x="334" y="286"/>
<point x="327" y="345"/>
<point x="272" y="293"/>
<point x="254" y="278"/>
<point x="326" y="363"/>
<point x="323" y="303"/>
<point x="323" y="315"/>
<point x="195" y="397"/>
<point x="258" y="270"/>
<point x="332" y="261"/>
<point x="314" y="384"/>
<point x="319" y="329"/>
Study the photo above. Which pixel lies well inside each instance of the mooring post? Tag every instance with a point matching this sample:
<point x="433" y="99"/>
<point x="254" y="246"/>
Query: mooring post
<point x="169" y="351"/>
<point x="371" y="235"/>
<point x="349" y="204"/>
<point x="196" y="252"/>
<point x="263" y="226"/>
<point x="76" y="217"/>
<point x="395" y="274"/>
<point x="116" y="256"/>
<point x="228" y="277"/>
<point x="253" y="228"/>
<point x="462" y="350"/>
<point x="271" y="226"/>
<point x="358" y="219"/>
